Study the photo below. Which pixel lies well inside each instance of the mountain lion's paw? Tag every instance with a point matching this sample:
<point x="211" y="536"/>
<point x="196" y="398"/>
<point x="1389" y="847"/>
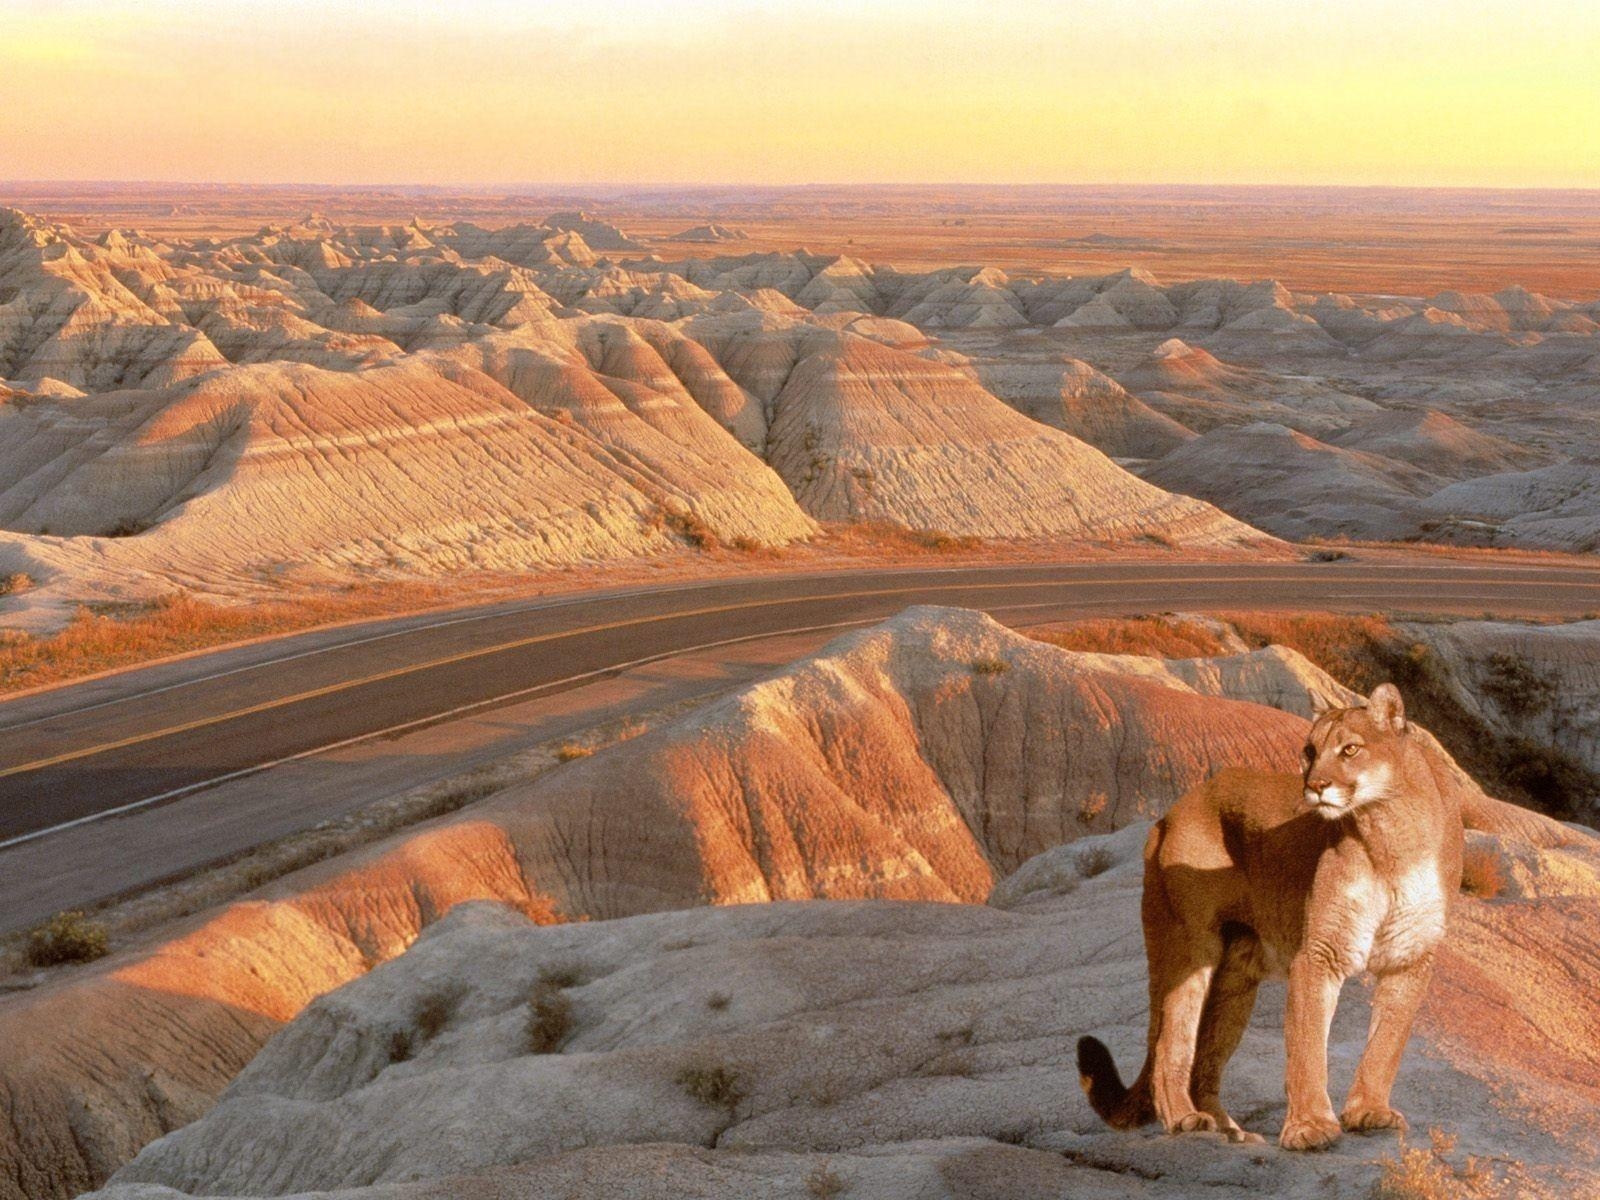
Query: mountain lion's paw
<point x="1370" y="1120"/>
<point x="1309" y="1133"/>
<point x="1195" y="1122"/>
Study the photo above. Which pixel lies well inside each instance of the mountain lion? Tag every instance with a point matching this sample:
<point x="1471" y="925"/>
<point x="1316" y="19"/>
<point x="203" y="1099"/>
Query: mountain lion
<point x="1349" y="867"/>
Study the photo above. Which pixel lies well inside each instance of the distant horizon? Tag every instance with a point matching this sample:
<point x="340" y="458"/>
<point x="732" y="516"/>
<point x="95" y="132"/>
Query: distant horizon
<point x="855" y="185"/>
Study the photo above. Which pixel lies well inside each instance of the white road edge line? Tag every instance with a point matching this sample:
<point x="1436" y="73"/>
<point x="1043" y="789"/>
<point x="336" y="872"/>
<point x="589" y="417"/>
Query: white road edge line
<point x="257" y="768"/>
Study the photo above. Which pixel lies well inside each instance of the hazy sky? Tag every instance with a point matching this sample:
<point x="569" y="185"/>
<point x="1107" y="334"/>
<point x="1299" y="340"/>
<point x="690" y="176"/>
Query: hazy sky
<point x="1496" y="92"/>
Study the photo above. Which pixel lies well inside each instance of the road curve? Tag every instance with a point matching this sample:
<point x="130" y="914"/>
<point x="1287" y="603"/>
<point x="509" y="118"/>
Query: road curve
<point x="88" y="750"/>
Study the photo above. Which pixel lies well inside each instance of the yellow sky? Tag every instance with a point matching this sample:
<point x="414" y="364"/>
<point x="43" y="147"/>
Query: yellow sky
<point x="1466" y="92"/>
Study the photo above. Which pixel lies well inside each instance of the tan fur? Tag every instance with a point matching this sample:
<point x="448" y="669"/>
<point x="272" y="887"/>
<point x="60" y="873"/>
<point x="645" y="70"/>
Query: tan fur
<point x="1349" y="867"/>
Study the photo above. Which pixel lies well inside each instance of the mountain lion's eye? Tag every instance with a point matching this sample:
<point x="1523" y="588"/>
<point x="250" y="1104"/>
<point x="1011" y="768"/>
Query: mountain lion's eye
<point x="1350" y="751"/>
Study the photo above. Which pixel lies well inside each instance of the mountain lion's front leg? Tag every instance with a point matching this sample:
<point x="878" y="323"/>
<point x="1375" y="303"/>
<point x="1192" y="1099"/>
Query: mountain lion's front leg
<point x="1394" y="1007"/>
<point x="1313" y="993"/>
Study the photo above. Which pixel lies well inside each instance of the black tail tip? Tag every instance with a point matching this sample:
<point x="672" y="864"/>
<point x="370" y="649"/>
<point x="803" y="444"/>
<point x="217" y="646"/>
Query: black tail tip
<point x="1094" y="1060"/>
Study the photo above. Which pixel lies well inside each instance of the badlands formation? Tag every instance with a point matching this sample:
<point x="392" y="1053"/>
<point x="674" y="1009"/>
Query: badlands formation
<point x="744" y="985"/>
<point x="319" y="402"/>
<point x="419" y="400"/>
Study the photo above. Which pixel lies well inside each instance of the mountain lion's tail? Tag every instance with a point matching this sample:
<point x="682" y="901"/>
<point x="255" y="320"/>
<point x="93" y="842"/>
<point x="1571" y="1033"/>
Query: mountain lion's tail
<point x="1119" y="1107"/>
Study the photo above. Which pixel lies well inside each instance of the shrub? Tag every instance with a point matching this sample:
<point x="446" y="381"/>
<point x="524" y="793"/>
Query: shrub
<point x="1323" y="556"/>
<point x="1094" y="861"/>
<point x="568" y="751"/>
<point x="713" y="1086"/>
<point x="683" y="523"/>
<point x="1555" y="782"/>
<point x="548" y="1020"/>
<point x="938" y="539"/>
<point x="1516" y="687"/>
<point x="718" y="1001"/>
<point x="434" y="1013"/>
<point x="825" y="1183"/>
<point x="1418" y="1174"/>
<point x="15" y="584"/>
<point x="67" y="937"/>
<point x="990" y="666"/>
<point x="127" y="527"/>
<point x="562" y="975"/>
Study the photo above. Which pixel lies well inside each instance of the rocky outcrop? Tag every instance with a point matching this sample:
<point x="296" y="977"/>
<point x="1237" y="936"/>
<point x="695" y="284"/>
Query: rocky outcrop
<point x="721" y="1051"/>
<point x="924" y="759"/>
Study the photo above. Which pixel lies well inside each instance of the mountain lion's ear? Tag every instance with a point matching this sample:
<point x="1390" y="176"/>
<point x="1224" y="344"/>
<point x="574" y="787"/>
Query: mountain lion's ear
<point x="1388" y="711"/>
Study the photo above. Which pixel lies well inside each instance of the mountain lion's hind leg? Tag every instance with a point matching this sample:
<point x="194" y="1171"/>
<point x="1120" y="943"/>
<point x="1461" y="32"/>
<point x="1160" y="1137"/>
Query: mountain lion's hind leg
<point x="1187" y="970"/>
<point x="1222" y="1024"/>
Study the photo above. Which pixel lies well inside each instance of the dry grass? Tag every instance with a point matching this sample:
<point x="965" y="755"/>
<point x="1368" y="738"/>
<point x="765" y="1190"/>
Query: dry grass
<point x="15" y="583"/>
<point x="67" y="937"/>
<point x="1161" y="637"/>
<point x="712" y="1085"/>
<point x="1427" y="1174"/>
<point x="548" y="1020"/>
<point x="825" y="1183"/>
<point x="570" y="751"/>
<point x="109" y="637"/>
<point x="990" y="666"/>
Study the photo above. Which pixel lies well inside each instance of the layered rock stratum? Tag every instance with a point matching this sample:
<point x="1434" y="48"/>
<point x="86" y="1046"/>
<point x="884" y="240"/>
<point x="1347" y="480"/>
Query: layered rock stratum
<point x="394" y="401"/>
<point x="928" y="759"/>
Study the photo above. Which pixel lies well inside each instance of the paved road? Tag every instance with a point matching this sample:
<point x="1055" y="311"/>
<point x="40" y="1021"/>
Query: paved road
<point x="82" y="752"/>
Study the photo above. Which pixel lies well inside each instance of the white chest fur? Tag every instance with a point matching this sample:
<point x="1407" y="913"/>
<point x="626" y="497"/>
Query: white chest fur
<point x="1415" y="920"/>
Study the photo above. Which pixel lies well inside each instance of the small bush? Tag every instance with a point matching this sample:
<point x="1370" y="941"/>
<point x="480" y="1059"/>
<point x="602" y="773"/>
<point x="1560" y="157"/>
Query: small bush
<point x="568" y="751"/>
<point x="1418" y="1174"/>
<point x="713" y="1086"/>
<point x="1516" y="687"/>
<point x="683" y="523"/>
<point x="562" y="975"/>
<point x="1325" y="556"/>
<point x="1555" y="782"/>
<point x="990" y="666"/>
<point x="1094" y="861"/>
<point x="67" y="937"/>
<point x="434" y="1013"/>
<point x="938" y="539"/>
<point x="127" y="527"/>
<point x="15" y="584"/>
<point x="718" y="1001"/>
<point x="548" y="1020"/>
<point x="825" y="1183"/>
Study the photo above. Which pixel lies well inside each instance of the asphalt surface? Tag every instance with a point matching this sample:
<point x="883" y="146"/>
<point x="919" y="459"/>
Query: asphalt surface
<point x="102" y="747"/>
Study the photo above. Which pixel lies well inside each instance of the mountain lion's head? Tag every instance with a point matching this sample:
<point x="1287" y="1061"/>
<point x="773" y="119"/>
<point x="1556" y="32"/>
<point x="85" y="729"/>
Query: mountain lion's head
<point x="1352" y="755"/>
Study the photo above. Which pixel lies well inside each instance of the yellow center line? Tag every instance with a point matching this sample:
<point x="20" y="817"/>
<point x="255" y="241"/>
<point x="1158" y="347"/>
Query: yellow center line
<point x="465" y="655"/>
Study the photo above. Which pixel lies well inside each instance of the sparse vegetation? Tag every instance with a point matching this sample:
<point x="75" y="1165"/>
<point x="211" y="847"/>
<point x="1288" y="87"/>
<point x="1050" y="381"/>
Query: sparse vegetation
<point x="712" y="1085"/>
<point x="990" y="666"/>
<point x="1091" y="807"/>
<point x="15" y="583"/>
<point x="1427" y="1174"/>
<point x="1326" y="556"/>
<point x="127" y="527"/>
<point x="111" y="637"/>
<point x="548" y="1020"/>
<point x="1517" y="687"/>
<point x="1159" y="636"/>
<point x="435" y="1011"/>
<point x="568" y="751"/>
<point x="824" y="1182"/>
<point x="718" y="1001"/>
<point x="938" y="539"/>
<point x="1096" y="860"/>
<point x="682" y="523"/>
<point x="67" y="937"/>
